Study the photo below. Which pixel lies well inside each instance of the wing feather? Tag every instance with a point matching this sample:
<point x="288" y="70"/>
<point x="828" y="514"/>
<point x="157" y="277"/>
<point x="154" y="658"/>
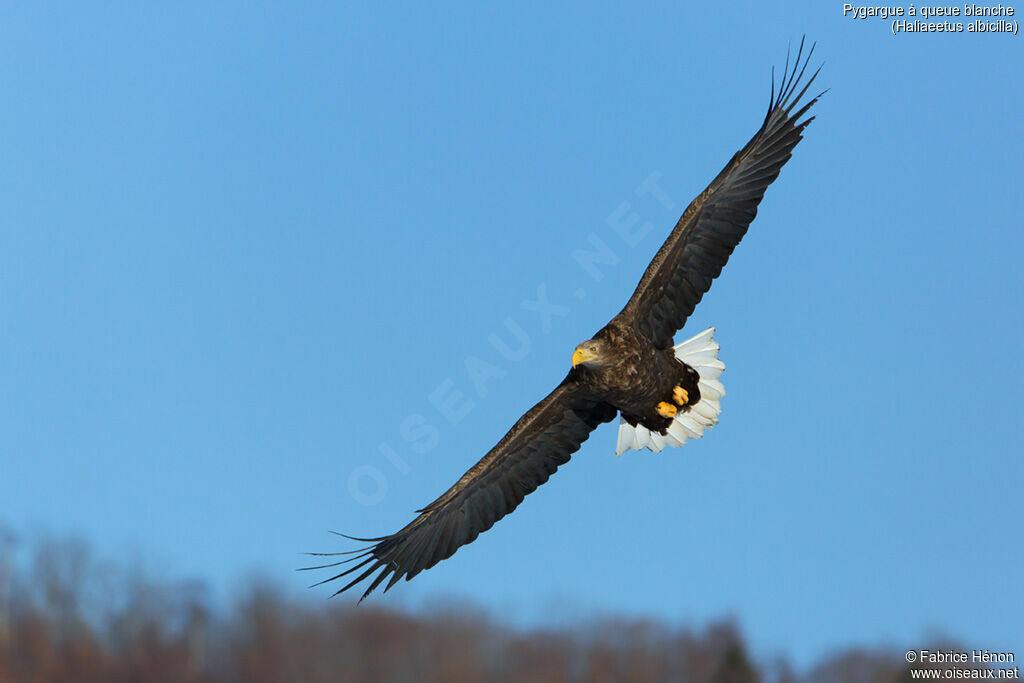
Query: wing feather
<point x="541" y="441"/>
<point x="715" y="222"/>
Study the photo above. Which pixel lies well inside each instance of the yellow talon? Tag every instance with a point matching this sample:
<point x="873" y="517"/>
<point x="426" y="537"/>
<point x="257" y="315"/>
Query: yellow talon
<point x="680" y="396"/>
<point x="666" y="409"/>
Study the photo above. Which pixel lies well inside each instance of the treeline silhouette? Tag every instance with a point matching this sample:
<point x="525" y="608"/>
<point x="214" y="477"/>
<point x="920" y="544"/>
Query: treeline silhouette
<point x="67" y="616"/>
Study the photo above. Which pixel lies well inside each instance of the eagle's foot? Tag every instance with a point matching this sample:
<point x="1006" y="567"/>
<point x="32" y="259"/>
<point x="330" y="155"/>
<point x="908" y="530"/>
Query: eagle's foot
<point x="666" y="409"/>
<point x="680" y="396"/>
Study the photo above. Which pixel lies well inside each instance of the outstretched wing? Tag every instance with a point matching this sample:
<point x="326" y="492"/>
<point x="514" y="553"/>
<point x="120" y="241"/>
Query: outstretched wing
<point x="532" y="450"/>
<point x="715" y="222"/>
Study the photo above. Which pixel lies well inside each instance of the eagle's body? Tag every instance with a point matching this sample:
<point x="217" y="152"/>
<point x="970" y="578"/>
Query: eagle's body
<point x="664" y="392"/>
<point x="641" y="377"/>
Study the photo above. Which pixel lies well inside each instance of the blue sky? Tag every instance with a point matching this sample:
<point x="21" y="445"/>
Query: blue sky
<point x="241" y="246"/>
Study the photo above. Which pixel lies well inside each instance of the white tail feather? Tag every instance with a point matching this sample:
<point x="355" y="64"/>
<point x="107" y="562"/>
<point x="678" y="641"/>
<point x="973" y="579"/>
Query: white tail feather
<point x="701" y="354"/>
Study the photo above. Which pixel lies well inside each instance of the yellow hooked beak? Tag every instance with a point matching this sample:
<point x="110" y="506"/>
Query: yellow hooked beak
<point x="581" y="356"/>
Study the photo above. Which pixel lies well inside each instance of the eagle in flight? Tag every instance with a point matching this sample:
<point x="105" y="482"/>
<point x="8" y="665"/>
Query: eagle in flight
<point x="664" y="394"/>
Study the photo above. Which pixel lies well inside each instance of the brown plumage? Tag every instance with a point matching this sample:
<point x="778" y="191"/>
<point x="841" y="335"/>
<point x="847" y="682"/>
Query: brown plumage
<point x="628" y="368"/>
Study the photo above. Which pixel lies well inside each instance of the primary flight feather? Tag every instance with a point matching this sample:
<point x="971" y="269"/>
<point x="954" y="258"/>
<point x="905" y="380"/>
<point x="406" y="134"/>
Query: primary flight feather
<point x="663" y="393"/>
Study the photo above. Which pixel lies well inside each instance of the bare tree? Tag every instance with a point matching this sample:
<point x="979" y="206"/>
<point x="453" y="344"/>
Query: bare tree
<point x="7" y="544"/>
<point x="70" y="618"/>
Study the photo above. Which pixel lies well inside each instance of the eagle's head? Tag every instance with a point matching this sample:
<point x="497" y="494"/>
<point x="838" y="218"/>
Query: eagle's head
<point x="592" y="353"/>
